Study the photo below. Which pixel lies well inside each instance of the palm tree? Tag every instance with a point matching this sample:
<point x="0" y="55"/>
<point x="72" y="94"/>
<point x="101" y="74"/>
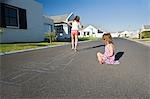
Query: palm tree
<point x="51" y="36"/>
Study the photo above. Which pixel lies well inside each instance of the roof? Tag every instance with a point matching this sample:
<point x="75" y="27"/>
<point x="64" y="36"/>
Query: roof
<point x="59" y="18"/>
<point x="93" y="27"/>
<point x="146" y="26"/>
<point x="47" y="19"/>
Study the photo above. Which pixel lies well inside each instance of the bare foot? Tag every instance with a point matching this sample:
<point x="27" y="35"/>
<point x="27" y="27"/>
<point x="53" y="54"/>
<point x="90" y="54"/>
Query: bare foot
<point x="99" y="62"/>
<point x="75" y="50"/>
<point x="72" y="48"/>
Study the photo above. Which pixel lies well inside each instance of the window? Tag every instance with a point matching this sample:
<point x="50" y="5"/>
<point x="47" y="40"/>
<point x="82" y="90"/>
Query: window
<point x="59" y="28"/>
<point x="99" y="31"/>
<point x="12" y="16"/>
<point x="88" y="33"/>
<point x="84" y="33"/>
<point x="78" y="33"/>
<point x="50" y="28"/>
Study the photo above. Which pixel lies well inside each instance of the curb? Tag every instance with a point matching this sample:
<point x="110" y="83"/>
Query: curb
<point x="33" y="49"/>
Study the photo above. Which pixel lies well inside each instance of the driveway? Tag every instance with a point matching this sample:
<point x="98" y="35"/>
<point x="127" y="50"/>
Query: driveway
<point x="60" y="73"/>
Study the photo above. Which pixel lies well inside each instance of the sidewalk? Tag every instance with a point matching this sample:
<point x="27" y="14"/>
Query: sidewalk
<point x="145" y="41"/>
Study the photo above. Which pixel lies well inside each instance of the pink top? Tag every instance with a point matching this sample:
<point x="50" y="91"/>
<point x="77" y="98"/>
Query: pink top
<point x="108" y="59"/>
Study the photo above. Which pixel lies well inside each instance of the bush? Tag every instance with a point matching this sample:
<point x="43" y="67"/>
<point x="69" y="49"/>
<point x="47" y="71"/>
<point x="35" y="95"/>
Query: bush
<point x="50" y="36"/>
<point x="87" y="38"/>
<point x="84" y="38"/>
<point x="145" y="34"/>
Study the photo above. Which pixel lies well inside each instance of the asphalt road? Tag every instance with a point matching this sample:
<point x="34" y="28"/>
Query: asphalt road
<point x="60" y="73"/>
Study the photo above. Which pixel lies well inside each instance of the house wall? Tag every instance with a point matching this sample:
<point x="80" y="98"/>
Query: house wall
<point x="145" y="28"/>
<point x="34" y="31"/>
<point x="93" y="32"/>
<point x="115" y="34"/>
<point x="130" y="34"/>
<point x="48" y="25"/>
<point x="134" y="35"/>
<point x="142" y="30"/>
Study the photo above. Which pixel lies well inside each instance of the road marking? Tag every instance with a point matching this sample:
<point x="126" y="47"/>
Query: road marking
<point x="64" y="55"/>
<point x="10" y="83"/>
<point x="19" y="75"/>
<point x="67" y="64"/>
<point x="29" y="79"/>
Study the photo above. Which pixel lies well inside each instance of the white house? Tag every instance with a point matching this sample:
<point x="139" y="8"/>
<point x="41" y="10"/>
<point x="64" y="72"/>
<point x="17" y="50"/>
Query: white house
<point x="62" y="29"/>
<point x="91" y="31"/>
<point x="114" y="34"/>
<point x="22" y="21"/>
<point x="145" y="28"/>
<point x="134" y="34"/>
<point x="129" y="34"/>
<point x="124" y="34"/>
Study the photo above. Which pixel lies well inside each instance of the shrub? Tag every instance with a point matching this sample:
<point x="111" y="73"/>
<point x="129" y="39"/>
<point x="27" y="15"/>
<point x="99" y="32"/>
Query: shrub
<point x="145" y="34"/>
<point x="51" y="36"/>
<point x="84" y="38"/>
<point x="87" y="38"/>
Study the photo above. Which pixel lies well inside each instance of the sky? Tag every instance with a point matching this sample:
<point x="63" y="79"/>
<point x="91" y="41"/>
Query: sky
<point x="109" y="15"/>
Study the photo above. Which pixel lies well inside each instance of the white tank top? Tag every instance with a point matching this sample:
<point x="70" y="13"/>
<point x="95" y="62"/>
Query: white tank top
<point x="76" y="25"/>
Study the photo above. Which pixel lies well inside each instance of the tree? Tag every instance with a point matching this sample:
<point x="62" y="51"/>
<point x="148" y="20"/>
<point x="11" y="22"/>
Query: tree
<point x="51" y="36"/>
<point x="145" y="34"/>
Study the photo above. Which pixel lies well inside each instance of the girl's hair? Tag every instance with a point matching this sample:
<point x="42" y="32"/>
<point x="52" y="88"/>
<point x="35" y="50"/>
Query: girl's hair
<point x="107" y="37"/>
<point x="77" y="18"/>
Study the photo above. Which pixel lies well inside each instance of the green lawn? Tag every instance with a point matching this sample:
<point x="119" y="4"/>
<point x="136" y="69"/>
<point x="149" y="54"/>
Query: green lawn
<point x="22" y="46"/>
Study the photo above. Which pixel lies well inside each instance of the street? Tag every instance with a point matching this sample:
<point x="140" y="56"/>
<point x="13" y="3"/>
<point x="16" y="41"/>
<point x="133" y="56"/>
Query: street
<point x="60" y="73"/>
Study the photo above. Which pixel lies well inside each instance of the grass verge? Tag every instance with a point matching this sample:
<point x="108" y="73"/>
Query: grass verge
<point x="87" y="38"/>
<point x="23" y="46"/>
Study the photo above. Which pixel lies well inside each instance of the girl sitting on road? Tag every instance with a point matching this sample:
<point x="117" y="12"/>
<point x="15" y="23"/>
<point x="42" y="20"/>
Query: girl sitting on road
<point x="109" y="55"/>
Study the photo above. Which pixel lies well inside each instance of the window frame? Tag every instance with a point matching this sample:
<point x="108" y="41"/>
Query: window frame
<point x="51" y="28"/>
<point x="21" y="17"/>
<point x="17" y="17"/>
<point x="59" y="28"/>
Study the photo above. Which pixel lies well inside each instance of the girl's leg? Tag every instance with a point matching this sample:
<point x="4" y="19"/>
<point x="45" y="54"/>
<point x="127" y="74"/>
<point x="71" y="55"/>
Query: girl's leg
<point x="72" y="40"/>
<point x="76" y="41"/>
<point x="100" y="57"/>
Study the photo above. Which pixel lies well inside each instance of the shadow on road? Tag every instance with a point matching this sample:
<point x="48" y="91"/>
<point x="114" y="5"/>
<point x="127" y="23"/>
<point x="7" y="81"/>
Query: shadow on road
<point x="88" y="48"/>
<point x="118" y="55"/>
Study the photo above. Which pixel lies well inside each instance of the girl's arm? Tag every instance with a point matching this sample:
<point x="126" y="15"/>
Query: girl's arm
<point x="69" y="23"/>
<point x="111" y="50"/>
